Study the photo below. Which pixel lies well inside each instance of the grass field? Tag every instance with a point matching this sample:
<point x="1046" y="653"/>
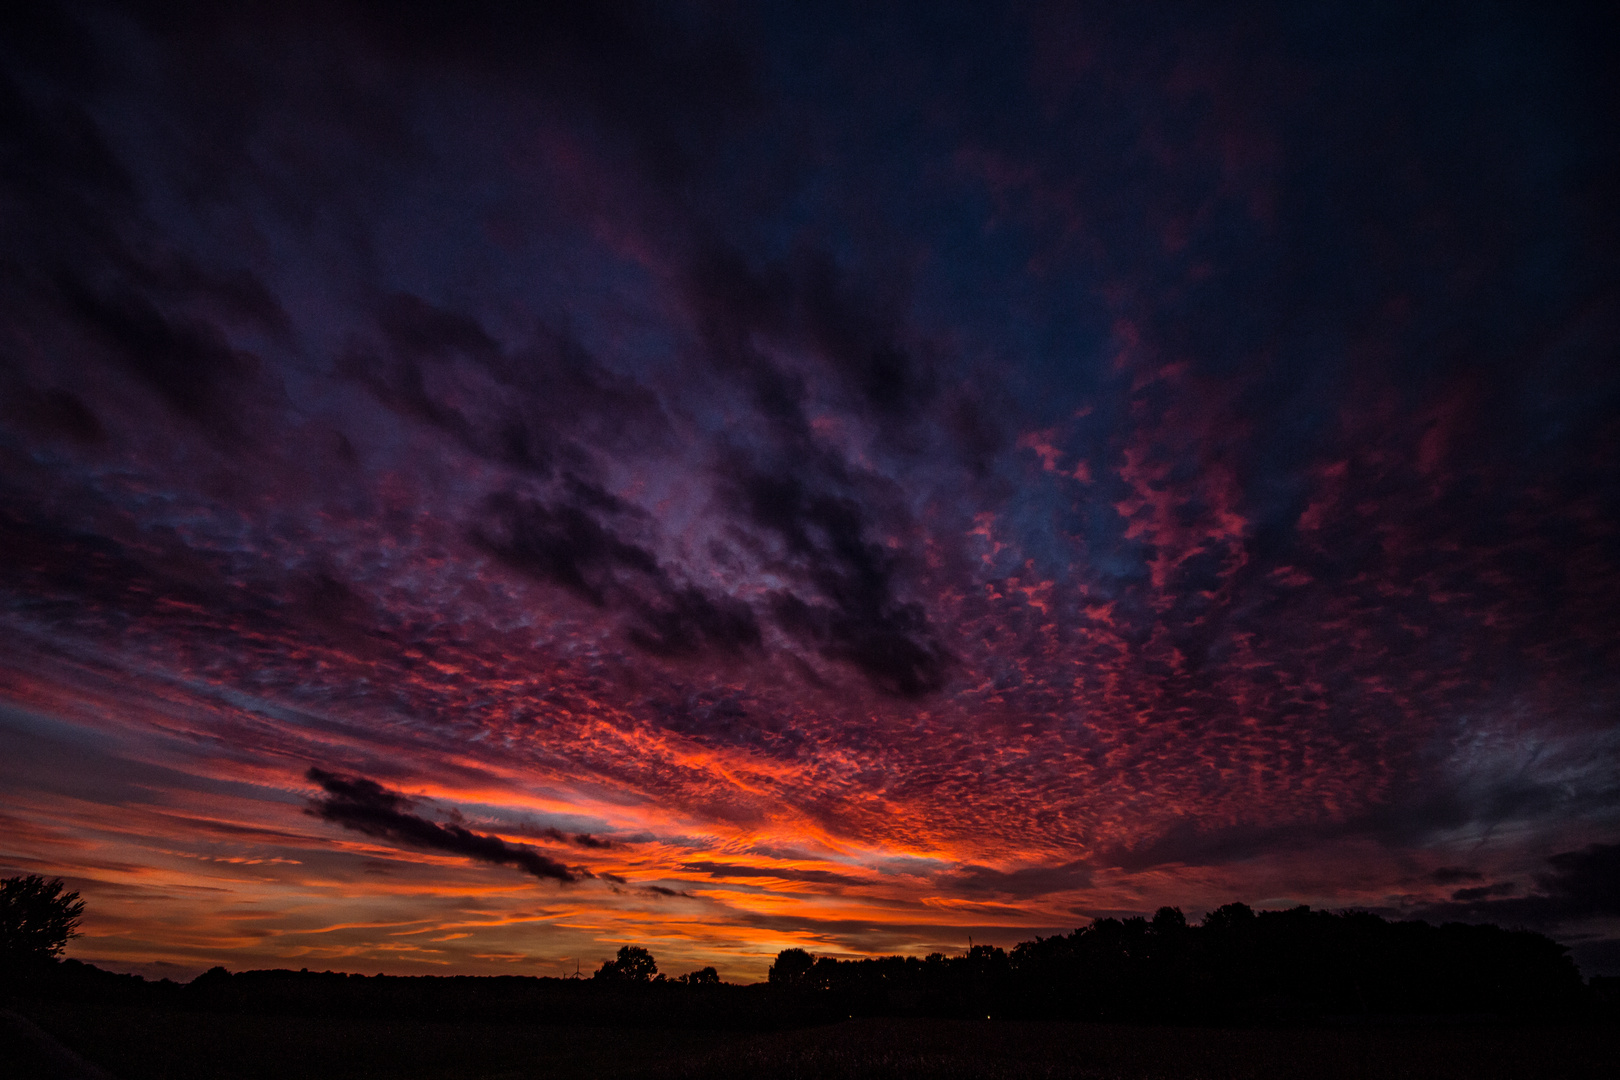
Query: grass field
<point x="139" y="1043"/>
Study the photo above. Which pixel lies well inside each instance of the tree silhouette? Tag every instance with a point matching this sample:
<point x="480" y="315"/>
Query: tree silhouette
<point x="634" y="964"/>
<point x="705" y="976"/>
<point x="792" y="968"/>
<point x="36" y="918"/>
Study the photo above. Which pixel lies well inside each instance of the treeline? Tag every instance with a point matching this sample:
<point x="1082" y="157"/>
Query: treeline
<point x="1237" y="965"/>
<point x="493" y="999"/>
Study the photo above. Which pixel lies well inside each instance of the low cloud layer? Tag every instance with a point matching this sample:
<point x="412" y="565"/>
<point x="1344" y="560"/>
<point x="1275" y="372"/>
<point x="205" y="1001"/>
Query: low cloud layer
<point x="367" y="807"/>
<point x="1574" y="885"/>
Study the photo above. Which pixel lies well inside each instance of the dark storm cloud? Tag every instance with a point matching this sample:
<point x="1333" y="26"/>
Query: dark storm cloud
<point x="328" y="608"/>
<point x="728" y="720"/>
<point x="367" y="807"/>
<point x="1482" y="892"/>
<point x="530" y="407"/>
<point x="56" y="156"/>
<point x="568" y="546"/>
<point x="1021" y="884"/>
<point x="186" y="362"/>
<point x="1414" y="818"/>
<point x="686" y="620"/>
<point x="1451" y="875"/>
<point x="88" y="269"/>
<point x="661" y="81"/>
<point x="1587" y="880"/>
<point x="853" y="613"/>
<point x="57" y="413"/>
<point x="877" y="937"/>
<point x="741" y="871"/>
<point x="777" y="329"/>
<point x="807" y="305"/>
<point x="584" y="840"/>
<point x="1576" y="885"/>
<point x="668" y="77"/>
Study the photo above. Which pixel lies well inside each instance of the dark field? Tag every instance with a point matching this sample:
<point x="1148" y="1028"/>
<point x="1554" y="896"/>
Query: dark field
<point x="143" y="1043"/>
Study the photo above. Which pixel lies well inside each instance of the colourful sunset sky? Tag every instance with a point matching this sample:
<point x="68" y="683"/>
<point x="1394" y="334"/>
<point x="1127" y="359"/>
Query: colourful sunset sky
<point x="486" y="483"/>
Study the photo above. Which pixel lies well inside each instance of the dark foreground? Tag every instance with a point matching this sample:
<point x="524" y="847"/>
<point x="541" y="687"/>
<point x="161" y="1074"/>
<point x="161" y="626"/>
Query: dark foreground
<point x="140" y="1042"/>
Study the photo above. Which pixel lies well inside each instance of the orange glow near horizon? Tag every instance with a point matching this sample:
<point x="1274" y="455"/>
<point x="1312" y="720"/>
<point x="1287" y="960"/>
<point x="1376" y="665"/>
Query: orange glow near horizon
<point x="188" y="859"/>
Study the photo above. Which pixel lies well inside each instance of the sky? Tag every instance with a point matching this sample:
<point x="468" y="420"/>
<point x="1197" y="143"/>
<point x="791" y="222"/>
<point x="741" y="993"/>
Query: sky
<point x="482" y="484"/>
